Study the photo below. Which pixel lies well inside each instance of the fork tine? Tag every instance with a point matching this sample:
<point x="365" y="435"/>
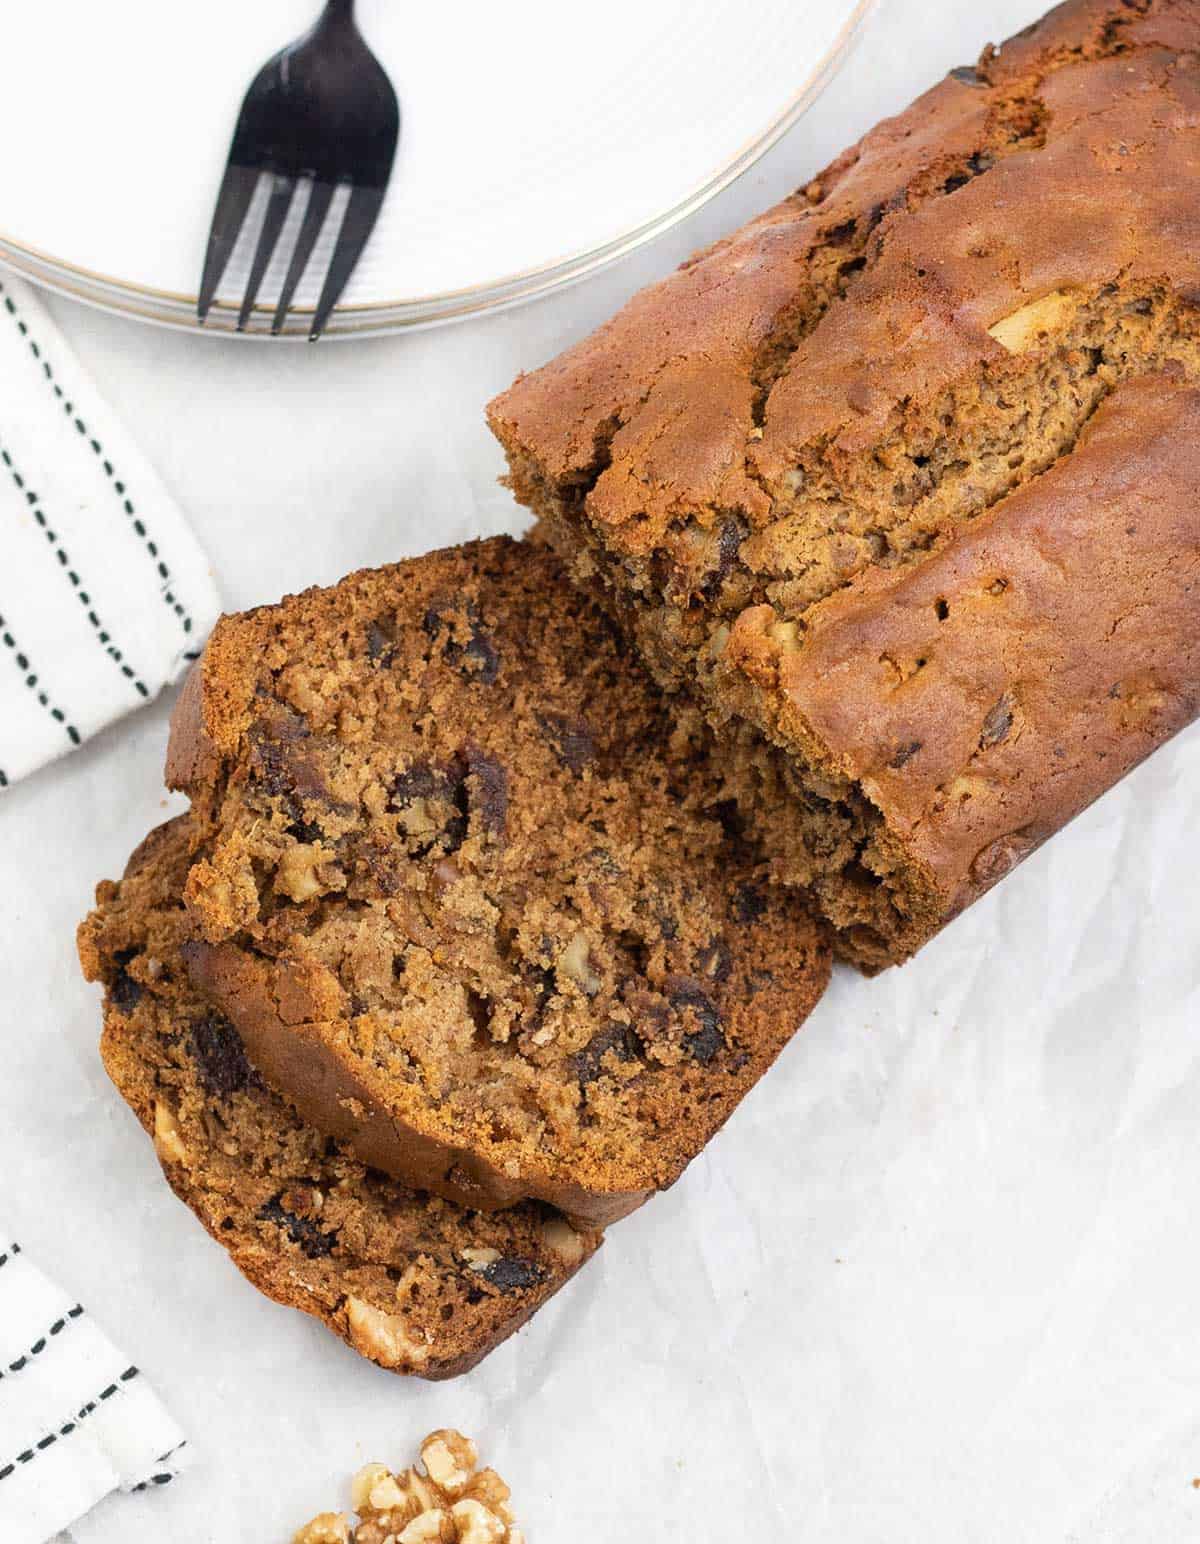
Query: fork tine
<point x="237" y="189"/>
<point x="282" y="192"/>
<point x="361" y="213"/>
<point x="314" y="217"/>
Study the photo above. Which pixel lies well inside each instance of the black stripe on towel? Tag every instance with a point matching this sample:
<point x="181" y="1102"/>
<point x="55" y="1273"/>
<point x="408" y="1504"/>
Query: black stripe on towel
<point x="21" y="660"/>
<point x="118" y="487"/>
<point x="81" y="1415"/>
<point x="40" y="1345"/>
<point x="163" y="1476"/>
<point x="64" y="563"/>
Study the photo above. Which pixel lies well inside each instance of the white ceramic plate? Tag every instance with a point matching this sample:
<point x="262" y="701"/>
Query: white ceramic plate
<point x="540" y="140"/>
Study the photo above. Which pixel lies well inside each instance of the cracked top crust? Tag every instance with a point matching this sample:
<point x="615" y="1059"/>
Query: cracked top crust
<point x="410" y="1281"/>
<point x="469" y="887"/>
<point x="800" y="425"/>
<point x="1067" y="158"/>
<point x="990" y="693"/>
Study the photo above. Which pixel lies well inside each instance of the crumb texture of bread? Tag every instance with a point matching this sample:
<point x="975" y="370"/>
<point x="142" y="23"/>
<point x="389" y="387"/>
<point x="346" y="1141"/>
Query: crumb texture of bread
<point x="472" y="889"/>
<point x="843" y="396"/>
<point x="408" y="1280"/>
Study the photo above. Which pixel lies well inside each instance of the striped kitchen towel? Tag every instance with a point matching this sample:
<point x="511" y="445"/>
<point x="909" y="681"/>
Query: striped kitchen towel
<point x="105" y="594"/>
<point x="77" y="1419"/>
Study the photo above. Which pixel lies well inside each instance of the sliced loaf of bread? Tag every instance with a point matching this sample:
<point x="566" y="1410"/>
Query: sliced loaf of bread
<point x="410" y="1281"/>
<point x="470" y="887"/>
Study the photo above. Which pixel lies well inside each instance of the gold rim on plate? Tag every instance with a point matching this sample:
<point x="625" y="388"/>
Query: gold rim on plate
<point x="374" y="318"/>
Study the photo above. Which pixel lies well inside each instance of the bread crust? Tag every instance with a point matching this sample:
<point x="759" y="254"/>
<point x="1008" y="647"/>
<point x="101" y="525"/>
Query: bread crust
<point x="191" y="756"/>
<point x="227" y="1145"/>
<point x="762" y="461"/>
<point x="303" y="1056"/>
<point x="582" y="816"/>
<point x="1061" y="632"/>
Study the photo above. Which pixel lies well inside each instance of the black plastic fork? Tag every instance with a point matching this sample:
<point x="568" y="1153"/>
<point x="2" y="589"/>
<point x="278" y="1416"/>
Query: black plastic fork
<point x="321" y="111"/>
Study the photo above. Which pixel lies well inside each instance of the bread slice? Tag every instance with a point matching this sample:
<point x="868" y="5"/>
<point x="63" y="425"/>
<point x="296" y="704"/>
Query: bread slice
<point x="765" y="460"/>
<point x="468" y="886"/>
<point x="410" y="1281"/>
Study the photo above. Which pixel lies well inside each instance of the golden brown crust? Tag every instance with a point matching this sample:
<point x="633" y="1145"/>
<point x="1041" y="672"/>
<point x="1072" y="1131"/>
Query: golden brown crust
<point x="214" y="707"/>
<point x="670" y="392"/>
<point x="305" y="1057"/>
<point x="191" y="756"/>
<point x="794" y="427"/>
<point x="409" y="1281"/>
<point x="1060" y="641"/>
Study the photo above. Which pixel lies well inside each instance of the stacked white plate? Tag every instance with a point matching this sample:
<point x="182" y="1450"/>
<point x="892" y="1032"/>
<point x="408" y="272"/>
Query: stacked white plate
<point x="540" y="140"/>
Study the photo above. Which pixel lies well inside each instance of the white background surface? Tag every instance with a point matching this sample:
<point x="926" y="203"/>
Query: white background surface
<point x="937" y="1281"/>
